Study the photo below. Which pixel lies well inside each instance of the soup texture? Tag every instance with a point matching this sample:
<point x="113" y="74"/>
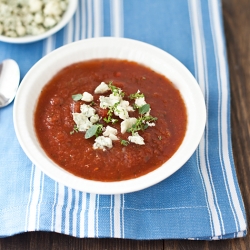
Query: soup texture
<point x="158" y="128"/>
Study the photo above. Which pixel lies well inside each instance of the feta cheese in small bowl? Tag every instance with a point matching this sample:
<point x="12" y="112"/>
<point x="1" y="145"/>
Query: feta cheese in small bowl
<point x="25" y="21"/>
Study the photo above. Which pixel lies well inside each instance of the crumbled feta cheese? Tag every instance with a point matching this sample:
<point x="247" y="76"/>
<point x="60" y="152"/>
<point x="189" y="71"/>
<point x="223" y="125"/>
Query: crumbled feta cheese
<point x="94" y="118"/>
<point x="111" y="133"/>
<point x="118" y="107"/>
<point x="109" y="101"/>
<point x="109" y="130"/>
<point x="137" y="139"/>
<point x="53" y="8"/>
<point x="49" y="22"/>
<point x="139" y="102"/>
<point x="127" y="124"/>
<point x="101" y="142"/>
<point x="150" y="124"/>
<point x="102" y="88"/>
<point x="35" y="5"/>
<point x="87" y="110"/>
<point x="113" y="137"/>
<point x="38" y="18"/>
<point x="122" y="109"/>
<point x="121" y="112"/>
<point x="87" y="97"/>
<point x="20" y="30"/>
<point x="82" y="121"/>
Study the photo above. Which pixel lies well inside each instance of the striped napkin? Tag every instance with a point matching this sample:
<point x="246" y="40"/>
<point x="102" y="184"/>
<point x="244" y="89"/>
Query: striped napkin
<point x="200" y="201"/>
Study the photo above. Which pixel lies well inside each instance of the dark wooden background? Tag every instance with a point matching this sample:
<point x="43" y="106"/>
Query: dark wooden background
<point x="236" y="14"/>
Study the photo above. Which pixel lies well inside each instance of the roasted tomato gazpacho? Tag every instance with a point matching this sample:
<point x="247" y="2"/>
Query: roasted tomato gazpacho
<point x="110" y="120"/>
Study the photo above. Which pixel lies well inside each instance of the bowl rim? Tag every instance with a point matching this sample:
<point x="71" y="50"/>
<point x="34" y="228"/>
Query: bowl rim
<point x="70" y="11"/>
<point x="23" y="115"/>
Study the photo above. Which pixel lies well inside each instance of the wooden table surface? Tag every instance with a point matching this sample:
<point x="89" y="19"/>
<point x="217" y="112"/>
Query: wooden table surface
<point x="236" y="14"/>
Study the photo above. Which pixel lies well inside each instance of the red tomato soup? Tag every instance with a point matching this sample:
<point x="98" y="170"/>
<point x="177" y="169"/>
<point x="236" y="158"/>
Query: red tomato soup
<point x="68" y="148"/>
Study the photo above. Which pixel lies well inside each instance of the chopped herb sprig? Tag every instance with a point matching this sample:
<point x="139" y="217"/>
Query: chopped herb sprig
<point x="142" y="121"/>
<point x="124" y="142"/>
<point x="136" y="95"/>
<point x="115" y="90"/>
<point x="75" y="130"/>
<point x="110" y="114"/>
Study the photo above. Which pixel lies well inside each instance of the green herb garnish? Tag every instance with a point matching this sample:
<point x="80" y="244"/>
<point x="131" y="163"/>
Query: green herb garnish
<point x="75" y="129"/>
<point x="115" y="90"/>
<point x="110" y="114"/>
<point x="141" y="124"/>
<point x="95" y="129"/>
<point x="136" y="95"/>
<point x="144" y="109"/>
<point x="124" y="142"/>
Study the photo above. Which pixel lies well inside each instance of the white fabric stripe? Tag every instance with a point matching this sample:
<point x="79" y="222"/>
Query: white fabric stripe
<point x="84" y="14"/>
<point x="220" y="118"/>
<point x="34" y="199"/>
<point x="117" y="219"/>
<point x="49" y="45"/>
<point x="75" y="219"/>
<point x="98" y="18"/>
<point x="217" y="34"/>
<point x="204" y="188"/>
<point x="91" y="215"/>
<point x="68" y="34"/>
<point x="89" y="15"/>
<point x="40" y="200"/>
<point x="77" y="25"/>
<point x="199" y="46"/>
<point x="116" y="18"/>
<point x="82" y="215"/>
<point x="96" y="216"/>
<point x="215" y="218"/>
<point x="60" y="203"/>
<point x="122" y="215"/>
<point x="67" y="211"/>
<point x="111" y="215"/>
<point x="30" y="197"/>
<point x="53" y="208"/>
<point x="240" y="234"/>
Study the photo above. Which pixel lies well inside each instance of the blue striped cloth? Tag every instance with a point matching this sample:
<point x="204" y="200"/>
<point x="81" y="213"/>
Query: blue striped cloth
<point x="200" y="201"/>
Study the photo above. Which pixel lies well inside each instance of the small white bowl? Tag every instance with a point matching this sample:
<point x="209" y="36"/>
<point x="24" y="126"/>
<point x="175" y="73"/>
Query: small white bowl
<point x="72" y="5"/>
<point x="108" y="47"/>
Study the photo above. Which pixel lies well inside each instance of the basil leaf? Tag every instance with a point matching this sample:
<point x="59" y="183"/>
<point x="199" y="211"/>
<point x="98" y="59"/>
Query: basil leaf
<point x="77" y="97"/>
<point x="144" y="109"/>
<point x="93" y="130"/>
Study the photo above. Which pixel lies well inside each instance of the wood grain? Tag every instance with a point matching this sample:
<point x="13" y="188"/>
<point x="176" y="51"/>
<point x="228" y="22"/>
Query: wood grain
<point x="236" y="15"/>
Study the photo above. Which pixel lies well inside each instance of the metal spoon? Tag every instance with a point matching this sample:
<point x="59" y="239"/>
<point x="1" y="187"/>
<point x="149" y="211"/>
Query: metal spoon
<point x="9" y="81"/>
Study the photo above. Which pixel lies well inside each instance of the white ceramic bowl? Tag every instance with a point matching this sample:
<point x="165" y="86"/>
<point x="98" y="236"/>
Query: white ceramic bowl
<point x="108" y="47"/>
<point x="29" y="38"/>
